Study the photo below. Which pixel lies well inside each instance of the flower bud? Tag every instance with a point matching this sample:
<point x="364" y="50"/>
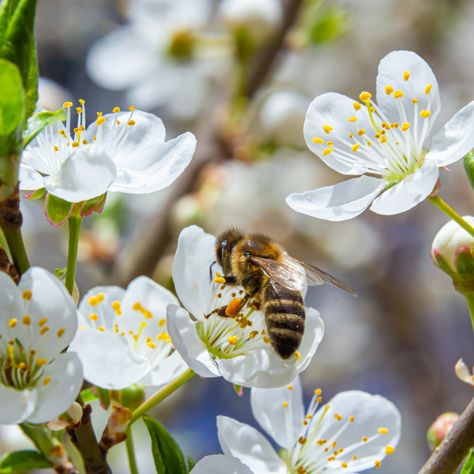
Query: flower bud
<point x="453" y="252"/>
<point x="131" y="397"/>
<point x="463" y="373"/>
<point x="469" y="167"/>
<point x="440" y="429"/>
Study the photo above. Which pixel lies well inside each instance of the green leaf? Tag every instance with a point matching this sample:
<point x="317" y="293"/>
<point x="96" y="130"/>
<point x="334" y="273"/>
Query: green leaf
<point x="191" y="463"/>
<point x="328" y="24"/>
<point x="468" y="467"/>
<point x="22" y="461"/>
<point x="168" y="457"/>
<point x="469" y="167"/>
<point x="12" y="97"/>
<point x="57" y="210"/>
<point x="39" y="121"/>
<point x="88" y="395"/>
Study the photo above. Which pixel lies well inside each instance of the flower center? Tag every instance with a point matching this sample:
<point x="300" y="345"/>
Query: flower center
<point x="182" y="45"/>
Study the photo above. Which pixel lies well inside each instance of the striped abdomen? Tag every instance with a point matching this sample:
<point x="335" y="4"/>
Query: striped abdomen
<point x="284" y="318"/>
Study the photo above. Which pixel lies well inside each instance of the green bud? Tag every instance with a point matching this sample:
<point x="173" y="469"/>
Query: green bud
<point x="469" y="167"/>
<point x="131" y="397"/>
<point x="440" y="429"/>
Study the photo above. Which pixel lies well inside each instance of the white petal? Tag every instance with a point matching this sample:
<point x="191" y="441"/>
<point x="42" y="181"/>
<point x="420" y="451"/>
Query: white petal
<point x="120" y="59"/>
<point x="30" y="179"/>
<point x="192" y="261"/>
<point x="107" y="359"/>
<point x="129" y="146"/>
<point x="219" y="463"/>
<point x="313" y="335"/>
<point x="334" y="110"/>
<point x="86" y="174"/>
<point x="167" y="370"/>
<point x="370" y="412"/>
<point x="283" y="424"/>
<point x="161" y="166"/>
<point x="339" y="202"/>
<point x="12" y="303"/>
<point x="455" y="139"/>
<point x="58" y="395"/>
<point x="409" y="192"/>
<point x="247" y="444"/>
<point x="17" y="405"/>
<point x="391" y="73"/>
<point x="187" y="342"/>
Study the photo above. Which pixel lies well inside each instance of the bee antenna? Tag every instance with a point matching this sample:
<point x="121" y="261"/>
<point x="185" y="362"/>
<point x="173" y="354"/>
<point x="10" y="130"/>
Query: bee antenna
<point x="210" y="269"/>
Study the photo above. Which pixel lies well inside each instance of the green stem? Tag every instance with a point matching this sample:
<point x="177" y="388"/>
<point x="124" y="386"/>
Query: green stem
<point x="74" y="223"/>
<point x="443" y="206"/>
<point x="147" y="405"/>
<point x="17" y="249"/>
<point x="132" y="460"/>
<point x="470" y="305"/>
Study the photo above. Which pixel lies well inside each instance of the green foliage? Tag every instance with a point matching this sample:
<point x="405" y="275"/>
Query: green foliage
<point x="57" y="210"/>
<point x="12" y="97"/>
<point x="168" y="457"/>
<point x="39" y="121"/>
<point x="469" y="167"/>
<point x="22" y="461"/>
<point x="88" y="395"/>
<point x="325" y="24"/>
<point x="468" y="467"/>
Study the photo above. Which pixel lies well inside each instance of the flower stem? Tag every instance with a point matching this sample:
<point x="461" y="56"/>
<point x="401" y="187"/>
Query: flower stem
<point x="17" y="249"/>
<point x="443" y="206"/>
<point x="74" y="223"/>
<point x="161" y="395"/>
<point x="470" y="305"/>
<point x="132" y="460"/>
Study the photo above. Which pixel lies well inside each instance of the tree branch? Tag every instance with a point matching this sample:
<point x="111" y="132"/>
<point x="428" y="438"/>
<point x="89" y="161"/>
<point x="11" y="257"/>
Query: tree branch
<point x="447" y="457"/>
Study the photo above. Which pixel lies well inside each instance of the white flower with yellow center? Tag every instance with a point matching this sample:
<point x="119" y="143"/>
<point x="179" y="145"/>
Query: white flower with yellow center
<point x="388" y="142"/>
<point x="38" y="319"/>
<point x="236" y="348"/>
<point x="123" y="338"/>
<point x="353" y="432"/>
<point x="121" y="151"/>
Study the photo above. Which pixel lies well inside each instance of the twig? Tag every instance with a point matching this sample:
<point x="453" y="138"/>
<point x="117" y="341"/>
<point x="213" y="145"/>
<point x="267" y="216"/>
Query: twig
<point x="455" y="447"/>
<point x="141" y="255"/>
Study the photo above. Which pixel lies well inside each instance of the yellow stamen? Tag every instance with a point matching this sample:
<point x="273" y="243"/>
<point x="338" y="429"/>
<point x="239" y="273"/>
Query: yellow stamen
<point x="131" y="108"/>
<point x="357" y="106"/>
<point x="27" y="295"/>
<point x="284" y="404"/>
<point x="414" y="100"/>
<point x="79" y="110"/>
<point x="164" y="336"/>
<point x="318" y="391"/>
<point x="60" y="332"/>
<point x="161" y="323"/>
<point x="361" y="132"/>
<point x="290" y="387"/>
<point x="397" y="94"/>
<point x="343" y="464"/>
<point x="12" y="323"/>
<point x="93" y="317"/>
<point x="297" y="355"/>
<point x="428" y="88"/>
<point x="327" y="128"/>
<point x="388" y="89"/>
<point x="131" y="122"/>
<point x="383" y="430"/>
<point x="326" y="151"/>
<point x="101" y="328"/>
<point x="41" y="361"/>
<point x="26" y="320"/>
<point x="42" y="322"/>
<point x="365" y="439"/>
<point x="233" y="340"/>
<point x="219" y="280"/>
<point x="47" y="380"/>
<point x="317" y="140"/>
<point x="425" y="113"/>
<point x="44" y="330"/>
<point x="66" y="105"/>
<point x="406" y="75"/>
<point x="405" y="126"/>
<point x="365" y="96"/>
<point x="355" y="147"/>
<point x="116" y="110"/>
<point x="389" y="450"/>
<point x="352" y="418"/>
<point x="377" y="464"/>
<point x="116" y="306"/>
<point x="100" y="120"/>
<point x="352" y="119"/>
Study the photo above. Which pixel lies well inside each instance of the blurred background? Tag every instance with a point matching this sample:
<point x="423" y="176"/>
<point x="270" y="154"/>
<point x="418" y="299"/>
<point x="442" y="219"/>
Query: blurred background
<point x="241" y="79"/>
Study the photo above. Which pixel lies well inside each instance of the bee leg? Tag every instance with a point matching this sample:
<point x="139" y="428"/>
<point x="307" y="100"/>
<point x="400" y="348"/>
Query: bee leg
<point x="220" y="311"/>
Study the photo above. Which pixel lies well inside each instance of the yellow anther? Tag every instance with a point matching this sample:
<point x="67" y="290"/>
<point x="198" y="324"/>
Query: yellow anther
<point x="55" y="148"/>
<point x="161" y="323"/>
<point x="100" y="297"/>
<point x="164" y="336"/>
<point x="357" y="106"/>
<point x="219" y="280"/>
<point x="406" y="75"/>
<point x="398" y="93"/>
<point x="338" y="416"/>
<point x="290" y="387"/>
<point x="330" y="144"/>
<point x="355" y="147"/>
<point x="66" y="105"/>
<point x="131" y="122"/>
<point x="405" y="126"/>
<point x="414" y="100"/>
<point x="318" y="391"/>
<point x="82" y="101"/>
<point x="42" y="322"/>
<point x="351" y="418"/>
<point x="22" y="366"/>
<point x="377" y="464"/>
<point x="319" y="399"/>
<point x="297" y="355"/>
<point x="12" y="323"/>
<point x="252" y="334"/>
<point x="344" y="464"/>
<point x="60" y="332"/>
<point x="92" y="300"/>
<point x="352" y="119"/>
<point x="132" y="108"/>
<point x="116" y="110"/>
<point x="389" y="450"/>
<point x="394" y="125"/>
<point x="425" y="113"/>
<point x="26" y="320"/>
<point x="365" y="96"/>
<point x="326" y="151"/>
<point x="93" y="317"/>
<point x="302" y="440"/>
<point x="100" y="120"/>
<point x="317" y="140"/>
<point x="137" y="306"/>
<point x="361" y="132"/>
<point x="383" y="431"/>
<point x="75" y="144"/>
<point x="117" y="307"/>
<point x="355" y="457"/>
<point x="369" y="143"/>
<point x="151" y="345"/>
<point x="41" y="361"/>
<point x="101" y="328"/>
<point x="428" y="88"/>
<point x="327" y="128"/>
<point x="365" y="439"/>
<point x="331" y="458"/>
<point x="27" y="295"/>
<point x="388" y="89"/>
<point x="47" y="380"/>
<point x="284" y="404"/>
<point x="99" y="114"/>
<point x="44" y="330"/>
<point x="79" y="110"/>
<point x="233" y="340"/>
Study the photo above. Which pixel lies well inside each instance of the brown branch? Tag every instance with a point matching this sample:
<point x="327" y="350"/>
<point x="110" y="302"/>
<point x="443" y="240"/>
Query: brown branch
<point x="141" y="255"/>
<point x="455" y="447"/>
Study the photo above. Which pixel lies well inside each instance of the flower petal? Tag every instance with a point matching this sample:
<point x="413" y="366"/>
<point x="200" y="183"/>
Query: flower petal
<point x="405" y="71"/>
<point x="339" y="202"/>
<point x="12" y="303"/>
<point x="219" y="463"/>
<point x="161" y="166"/>
<point x="193" y="259"/>
<point x="86" y="174"/>
<point x="107" y="359"/>
<point x="187" y="342"/>
<point x="332" y="123"/>
<point x="455" y="139"/>
<point x="30" y="179"/>
<point x="168" y="369"/>
<point x="370" y="412"/>
<point x="17" y="405"/>
<point x="61" y="383"/>
<point x="313" y="335"/>
<point x="407" y="193"/>
<point x="247" y="444"/>
<point x="270" y="407"/>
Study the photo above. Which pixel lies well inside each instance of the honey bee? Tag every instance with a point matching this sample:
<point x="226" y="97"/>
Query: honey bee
<point x="273" y="281"/>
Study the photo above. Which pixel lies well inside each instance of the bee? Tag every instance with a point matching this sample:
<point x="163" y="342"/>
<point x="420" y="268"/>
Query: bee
<point x="273" y="281"/>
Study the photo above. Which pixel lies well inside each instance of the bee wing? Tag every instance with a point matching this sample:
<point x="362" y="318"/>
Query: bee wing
<point x="288" y="272"/>
<point x="316" y="276"/>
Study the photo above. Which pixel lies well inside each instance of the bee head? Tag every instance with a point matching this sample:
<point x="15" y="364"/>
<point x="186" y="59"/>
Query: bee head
<point x="224" y="246"/>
